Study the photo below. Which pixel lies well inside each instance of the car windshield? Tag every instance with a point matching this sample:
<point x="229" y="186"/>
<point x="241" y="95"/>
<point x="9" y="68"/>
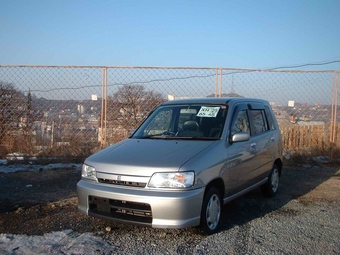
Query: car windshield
<point x="189" y="121"/>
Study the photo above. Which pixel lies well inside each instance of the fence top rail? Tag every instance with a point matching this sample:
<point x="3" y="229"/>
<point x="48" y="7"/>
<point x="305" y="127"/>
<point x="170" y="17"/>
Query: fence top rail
<point x="174" y="67"/>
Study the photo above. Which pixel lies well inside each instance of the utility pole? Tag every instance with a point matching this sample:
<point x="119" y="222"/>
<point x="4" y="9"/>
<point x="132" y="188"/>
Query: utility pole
<point x="52" y="133"/>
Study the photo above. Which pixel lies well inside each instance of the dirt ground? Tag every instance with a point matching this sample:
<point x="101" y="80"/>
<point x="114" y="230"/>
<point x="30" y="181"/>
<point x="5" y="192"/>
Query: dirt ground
<point x="35" y="203"/>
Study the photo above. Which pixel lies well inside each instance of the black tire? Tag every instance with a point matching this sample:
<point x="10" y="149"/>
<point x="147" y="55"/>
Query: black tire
<point x="269" y="189"/>
<point x="211" y="211"/>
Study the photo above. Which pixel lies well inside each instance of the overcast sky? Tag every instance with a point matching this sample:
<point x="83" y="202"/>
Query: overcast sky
<point x="235" y="34"/>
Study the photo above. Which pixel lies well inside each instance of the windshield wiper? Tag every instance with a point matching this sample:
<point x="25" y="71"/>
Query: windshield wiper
<point x="197" y="138"/>
<point x="171" y="137"/>
<point x="157" y="137"/>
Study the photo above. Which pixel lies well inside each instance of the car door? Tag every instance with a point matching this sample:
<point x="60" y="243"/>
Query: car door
<point x="241" y="154"/>
<point x="262" y="141"/>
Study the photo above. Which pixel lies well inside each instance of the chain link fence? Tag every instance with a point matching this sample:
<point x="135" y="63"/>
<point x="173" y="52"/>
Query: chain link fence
<point x="71" y="112"/>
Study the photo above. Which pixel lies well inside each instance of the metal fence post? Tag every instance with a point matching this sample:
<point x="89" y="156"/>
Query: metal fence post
<point x="216" y="86"/>
<point x="103" y="119"/>
<point x="221" y="82"/>
<point x="333" y="128"/>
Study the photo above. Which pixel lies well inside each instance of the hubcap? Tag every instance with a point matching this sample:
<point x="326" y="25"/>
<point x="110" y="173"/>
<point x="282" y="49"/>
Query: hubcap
<point x="213" y="212"/>
<point x="275" y="180"/>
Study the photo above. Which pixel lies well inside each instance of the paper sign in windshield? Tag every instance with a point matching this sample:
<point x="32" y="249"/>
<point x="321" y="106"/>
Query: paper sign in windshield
<point x="208" y="111"/>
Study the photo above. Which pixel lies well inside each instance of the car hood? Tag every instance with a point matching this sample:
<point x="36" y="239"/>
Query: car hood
<point x="143" y="157"/>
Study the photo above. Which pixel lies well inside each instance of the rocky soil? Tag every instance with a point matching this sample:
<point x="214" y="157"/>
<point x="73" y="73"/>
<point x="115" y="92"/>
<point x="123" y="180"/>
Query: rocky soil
<point x="302" y="219"/>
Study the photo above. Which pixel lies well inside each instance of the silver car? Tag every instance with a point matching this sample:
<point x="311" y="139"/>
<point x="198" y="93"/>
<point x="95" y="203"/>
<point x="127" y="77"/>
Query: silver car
<point x="186" y="160"/>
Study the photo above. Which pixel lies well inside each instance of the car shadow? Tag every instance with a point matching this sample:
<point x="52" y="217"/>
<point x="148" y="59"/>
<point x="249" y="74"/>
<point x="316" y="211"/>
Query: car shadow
<point x="294" y="183"/>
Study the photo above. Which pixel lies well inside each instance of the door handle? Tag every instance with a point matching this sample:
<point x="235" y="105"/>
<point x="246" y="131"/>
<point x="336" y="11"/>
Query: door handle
<point x="254" y="149"/>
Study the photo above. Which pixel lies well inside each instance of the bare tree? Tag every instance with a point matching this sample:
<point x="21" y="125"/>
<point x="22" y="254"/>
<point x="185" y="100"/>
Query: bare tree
<point x="12" y="108"/>
<point x="129" y="106"/>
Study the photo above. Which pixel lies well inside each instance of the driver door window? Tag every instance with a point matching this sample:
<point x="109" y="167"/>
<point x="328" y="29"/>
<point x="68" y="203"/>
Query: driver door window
<point x="241" y="123"/>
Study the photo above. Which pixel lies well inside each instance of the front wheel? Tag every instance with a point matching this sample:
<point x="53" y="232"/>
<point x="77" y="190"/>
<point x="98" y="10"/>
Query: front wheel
<point x="270" y="188"/>
<point x="211" y="211"/>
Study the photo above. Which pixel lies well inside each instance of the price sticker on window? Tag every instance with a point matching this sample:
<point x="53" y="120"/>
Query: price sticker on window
<point x="206" y="111"/>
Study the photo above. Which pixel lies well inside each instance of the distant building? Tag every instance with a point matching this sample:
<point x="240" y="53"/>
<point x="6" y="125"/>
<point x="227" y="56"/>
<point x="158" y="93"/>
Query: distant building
<point x="226" y="95"/>
<point x="317" y="105"/>
<point x="80" y="108"/>
<point x="293" y="118"/>
<point x="94" y="97"/>
<point x="172" y="97"/>
<point x="291" y="103"/>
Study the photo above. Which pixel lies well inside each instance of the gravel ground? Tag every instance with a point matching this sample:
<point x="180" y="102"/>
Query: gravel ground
<point x="302" y="219"/>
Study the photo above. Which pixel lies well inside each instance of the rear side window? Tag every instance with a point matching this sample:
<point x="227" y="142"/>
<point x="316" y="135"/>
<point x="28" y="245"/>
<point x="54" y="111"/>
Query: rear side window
<point x="186" y="115"/>
<point x="259" y="121"/>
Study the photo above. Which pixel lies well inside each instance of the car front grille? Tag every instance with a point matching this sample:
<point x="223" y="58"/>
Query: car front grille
<point x="126" y="211"/>
<point x="124" y="183"/>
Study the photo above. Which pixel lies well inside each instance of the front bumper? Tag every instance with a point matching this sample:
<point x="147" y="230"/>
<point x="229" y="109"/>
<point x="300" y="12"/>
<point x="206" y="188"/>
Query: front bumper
<point x="156" y="208"/>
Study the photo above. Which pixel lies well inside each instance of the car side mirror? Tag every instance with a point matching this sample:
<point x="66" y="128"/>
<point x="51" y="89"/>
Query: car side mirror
<point x="240" y="137"/>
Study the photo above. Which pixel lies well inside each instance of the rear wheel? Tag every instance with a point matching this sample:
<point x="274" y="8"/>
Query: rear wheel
<point x="270" y="188"/>
<point x="211" y="211"/>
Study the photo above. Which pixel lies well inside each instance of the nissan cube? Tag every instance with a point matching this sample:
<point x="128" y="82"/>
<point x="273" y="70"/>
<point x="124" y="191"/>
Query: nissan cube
<point x="184" y="162"/>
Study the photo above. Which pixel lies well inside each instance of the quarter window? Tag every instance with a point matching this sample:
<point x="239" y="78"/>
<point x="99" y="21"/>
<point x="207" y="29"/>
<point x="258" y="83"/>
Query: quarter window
<point x="269" y="118"/>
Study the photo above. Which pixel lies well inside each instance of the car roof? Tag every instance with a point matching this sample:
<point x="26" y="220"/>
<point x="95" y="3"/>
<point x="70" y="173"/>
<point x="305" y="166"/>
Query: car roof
<point x="214" y="100"/>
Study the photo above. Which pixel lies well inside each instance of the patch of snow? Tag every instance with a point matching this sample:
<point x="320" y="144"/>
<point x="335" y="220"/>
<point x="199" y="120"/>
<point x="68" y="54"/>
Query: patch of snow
<point x="321" y="159"/>
<point x="16" y="156"/>
<point x="62" y="242"/>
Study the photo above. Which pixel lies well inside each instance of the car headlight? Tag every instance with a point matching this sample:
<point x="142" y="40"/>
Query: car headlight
<point x="88" y="172"/>
<point x="172" y="180"/>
